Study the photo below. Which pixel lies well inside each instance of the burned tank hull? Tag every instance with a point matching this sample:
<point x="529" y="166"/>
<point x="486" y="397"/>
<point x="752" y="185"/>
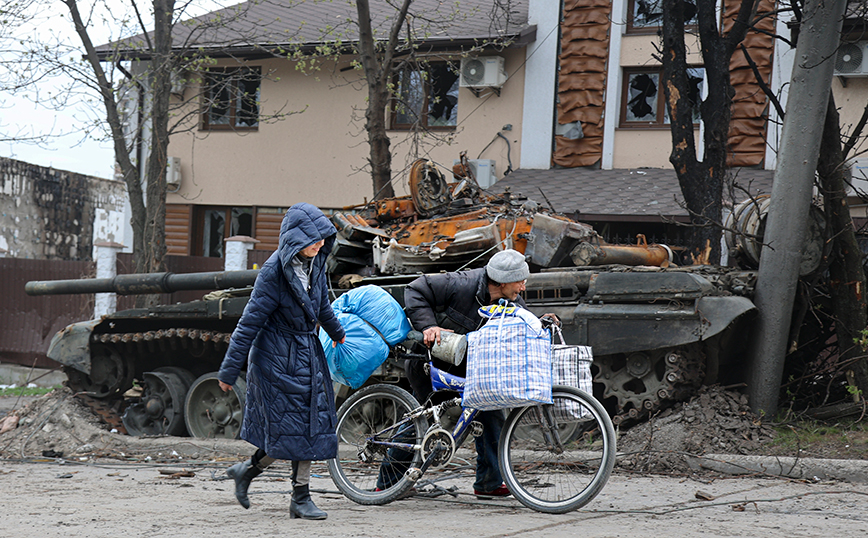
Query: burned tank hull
<point x="656" y="336"/>
<point x="170" y="351"/>
<point x="657" y="331"/>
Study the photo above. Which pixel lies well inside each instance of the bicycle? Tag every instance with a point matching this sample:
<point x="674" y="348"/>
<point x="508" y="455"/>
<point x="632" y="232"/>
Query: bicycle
<point x="554" y="458"/>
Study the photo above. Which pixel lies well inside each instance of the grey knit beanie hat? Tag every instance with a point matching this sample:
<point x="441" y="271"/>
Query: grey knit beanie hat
<point x="507" y="266"/>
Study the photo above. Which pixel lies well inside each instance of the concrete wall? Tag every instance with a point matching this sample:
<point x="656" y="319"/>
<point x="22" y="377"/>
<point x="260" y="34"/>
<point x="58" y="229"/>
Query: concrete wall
<point x="54" y="214"/>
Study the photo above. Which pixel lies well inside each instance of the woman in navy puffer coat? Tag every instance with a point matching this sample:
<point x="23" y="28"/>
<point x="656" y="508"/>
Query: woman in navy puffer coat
<point x="290" y="409"/>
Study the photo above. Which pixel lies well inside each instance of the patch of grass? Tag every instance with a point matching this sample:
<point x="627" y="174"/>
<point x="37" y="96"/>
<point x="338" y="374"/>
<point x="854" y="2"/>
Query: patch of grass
<point x="842" y="439"/>
<point x="27" y="391"/>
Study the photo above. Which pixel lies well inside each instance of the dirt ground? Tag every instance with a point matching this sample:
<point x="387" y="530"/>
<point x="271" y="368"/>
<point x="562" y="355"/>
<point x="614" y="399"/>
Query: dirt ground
<point x="110" y="498"/>
<point x="715" y="421"/>
<point x="63" y="471"/>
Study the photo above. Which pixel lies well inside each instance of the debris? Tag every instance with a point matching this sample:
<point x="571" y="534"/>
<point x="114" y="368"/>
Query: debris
<point x="174" y="475"/>
<point x="714" y="421"/>
<point x="8" y="423"/>
<point x="52" y="454"/>
<point x="447" y="226"/>
<point x="703" y="496"/>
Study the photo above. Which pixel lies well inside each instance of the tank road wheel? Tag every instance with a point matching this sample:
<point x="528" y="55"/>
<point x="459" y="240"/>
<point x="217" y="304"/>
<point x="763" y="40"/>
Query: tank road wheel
<point x="210" y="412"/>
<point x="110" y="374"/>
<point x="160" y="410"/>
<point x="644" y="380"/>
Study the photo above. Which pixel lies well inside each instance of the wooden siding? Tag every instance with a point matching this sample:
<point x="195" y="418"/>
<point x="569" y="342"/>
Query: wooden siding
<point x="750" y="106"/>
<point x="582" y="81"/>
<point x="267" y="229"/>
<point x="178" y="229"/>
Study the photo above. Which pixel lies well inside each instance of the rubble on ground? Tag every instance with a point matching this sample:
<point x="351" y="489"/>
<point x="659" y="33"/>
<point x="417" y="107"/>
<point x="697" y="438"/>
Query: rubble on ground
<point x="714" y="421"/>
<point x="58" y="425"/>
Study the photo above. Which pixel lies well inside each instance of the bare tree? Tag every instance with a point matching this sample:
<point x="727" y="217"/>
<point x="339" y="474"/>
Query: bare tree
<point x="136" y="69"/>
<point x="701" y="181"/>
<point x="383" y="55"/>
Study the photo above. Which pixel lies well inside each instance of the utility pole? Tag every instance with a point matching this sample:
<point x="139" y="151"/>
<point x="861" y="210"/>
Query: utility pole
<point x="786" y="225"/>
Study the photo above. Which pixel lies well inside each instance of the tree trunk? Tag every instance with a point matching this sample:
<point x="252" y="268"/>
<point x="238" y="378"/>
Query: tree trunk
<point x="378" y="69"/>
<point x="129" y="170"/>
<point x="161" y="81"/>
<point x="846" y="277"/>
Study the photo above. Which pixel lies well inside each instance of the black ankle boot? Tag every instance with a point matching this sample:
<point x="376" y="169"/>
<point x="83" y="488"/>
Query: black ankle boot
<point x="243" y="472"/>
<point x="302" y="505"/>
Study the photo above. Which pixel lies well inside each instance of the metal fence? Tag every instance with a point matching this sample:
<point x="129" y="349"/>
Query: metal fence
<point x="27" y="323"/>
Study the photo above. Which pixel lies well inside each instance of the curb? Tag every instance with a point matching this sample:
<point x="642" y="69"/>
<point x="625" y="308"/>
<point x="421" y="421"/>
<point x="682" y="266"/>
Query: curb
<point x="814" y="469"/>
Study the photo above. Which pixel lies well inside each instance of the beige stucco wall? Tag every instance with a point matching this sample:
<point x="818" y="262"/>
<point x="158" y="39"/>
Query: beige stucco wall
<point x="649" y="148"/>
<point x="316" y="155"/>
<point x="639" y="50"/>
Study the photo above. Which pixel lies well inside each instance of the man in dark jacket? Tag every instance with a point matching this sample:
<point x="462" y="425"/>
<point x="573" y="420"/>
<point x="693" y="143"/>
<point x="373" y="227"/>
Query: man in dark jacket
<point x="450" y="302"/>
<point x="290" y="409"/>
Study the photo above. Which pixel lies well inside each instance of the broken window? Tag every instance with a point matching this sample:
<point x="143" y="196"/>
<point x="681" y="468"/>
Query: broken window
<point x="231" y="99"/>
<point x="215" y="224"/>
<point x="643" y="104"/>
<point x="646" y="16"/>
<point x="426" y="96"/>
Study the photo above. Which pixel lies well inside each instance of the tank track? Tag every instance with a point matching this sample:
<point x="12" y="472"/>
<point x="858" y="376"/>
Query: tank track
<point x="117" y="366"/>
<point x="196" y="341"/>
<point x="109" y="411"/>
<point x="645" y="382"/>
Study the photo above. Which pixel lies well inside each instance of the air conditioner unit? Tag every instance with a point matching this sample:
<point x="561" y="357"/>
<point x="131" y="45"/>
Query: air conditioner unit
<point x="483" y="171"/>
<point x="852" y="60"/>
<point x="178" y="80"/>
<point x="482" y="72"/>
<point x="858" y="172"/>
<point x="173" y="174"/>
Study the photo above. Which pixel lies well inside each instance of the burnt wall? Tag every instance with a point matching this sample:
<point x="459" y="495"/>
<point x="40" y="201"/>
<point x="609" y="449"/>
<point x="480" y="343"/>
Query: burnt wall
<point x="49" y="214"/>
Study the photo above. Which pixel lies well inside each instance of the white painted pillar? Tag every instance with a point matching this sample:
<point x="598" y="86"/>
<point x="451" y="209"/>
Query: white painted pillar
<point x="541" y="64"/>
<point x="612" y="106"/>
<point x="106" y="254"/>
<point x="237" y="247"/>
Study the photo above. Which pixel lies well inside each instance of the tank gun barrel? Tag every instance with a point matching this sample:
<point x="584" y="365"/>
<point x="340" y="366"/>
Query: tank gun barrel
<point x="145" y="283"/>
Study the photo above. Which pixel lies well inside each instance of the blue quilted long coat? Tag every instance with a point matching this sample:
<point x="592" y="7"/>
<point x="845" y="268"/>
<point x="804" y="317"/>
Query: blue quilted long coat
<point x="290" y="409"/>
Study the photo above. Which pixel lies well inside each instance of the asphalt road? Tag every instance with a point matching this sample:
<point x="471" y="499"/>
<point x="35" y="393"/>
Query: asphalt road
<point x="109" y="499"/>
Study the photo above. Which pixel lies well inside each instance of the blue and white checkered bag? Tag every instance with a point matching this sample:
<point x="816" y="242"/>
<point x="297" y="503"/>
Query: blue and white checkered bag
<point x="571" y="366"/>
<point x="509" y="361"/>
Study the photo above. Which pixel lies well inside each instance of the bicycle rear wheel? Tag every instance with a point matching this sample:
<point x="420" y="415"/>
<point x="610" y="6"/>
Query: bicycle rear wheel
<point x="362" y="466"/>
<point x="556" y="483"/>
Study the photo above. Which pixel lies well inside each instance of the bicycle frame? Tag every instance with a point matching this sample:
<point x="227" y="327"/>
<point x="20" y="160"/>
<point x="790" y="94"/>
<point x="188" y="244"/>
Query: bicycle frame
<point x="442" y="381"/>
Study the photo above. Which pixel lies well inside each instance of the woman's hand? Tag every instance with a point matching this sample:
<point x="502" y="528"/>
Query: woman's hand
<point x="335" y="342"/>
<point x="225" y="387"/>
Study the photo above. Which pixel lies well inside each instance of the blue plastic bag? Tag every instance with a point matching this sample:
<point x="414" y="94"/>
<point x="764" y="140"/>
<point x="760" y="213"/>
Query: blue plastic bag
<point x="373" y="321"/>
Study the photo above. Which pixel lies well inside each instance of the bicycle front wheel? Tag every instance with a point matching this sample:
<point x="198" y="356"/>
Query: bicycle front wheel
<point x="365" y="470"/>
<point x="549" y="480"/>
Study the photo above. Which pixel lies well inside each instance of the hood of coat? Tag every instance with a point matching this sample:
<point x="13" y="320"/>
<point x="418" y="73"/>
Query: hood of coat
<point x="303" y="225"/>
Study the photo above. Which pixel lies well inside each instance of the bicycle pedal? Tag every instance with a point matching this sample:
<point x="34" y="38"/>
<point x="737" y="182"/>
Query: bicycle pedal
<point x="413" y="474"/>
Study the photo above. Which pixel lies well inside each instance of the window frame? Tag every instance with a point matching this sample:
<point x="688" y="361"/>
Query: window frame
<point x="660" y="115"/>
<point x="647" y="29"/>
<point x="395" y="102"/>
<point x="208" y="100"/>
<point x="200" y="224"/>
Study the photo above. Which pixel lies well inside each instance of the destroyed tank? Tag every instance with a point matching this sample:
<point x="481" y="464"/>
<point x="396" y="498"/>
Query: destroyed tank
<point x="656" y="334"/>
<point x="658" y="331"/>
